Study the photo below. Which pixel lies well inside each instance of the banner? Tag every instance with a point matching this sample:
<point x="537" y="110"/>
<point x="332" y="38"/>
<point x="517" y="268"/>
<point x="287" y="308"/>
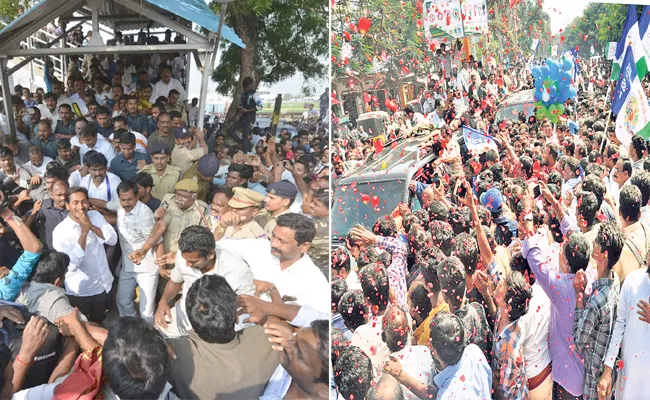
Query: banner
<point x="478" y="141"/>
<point x="630" y="103"/>
<point x="610" y="50"/>
<point x="442" y="19"/>
<point x="475" y="17"/>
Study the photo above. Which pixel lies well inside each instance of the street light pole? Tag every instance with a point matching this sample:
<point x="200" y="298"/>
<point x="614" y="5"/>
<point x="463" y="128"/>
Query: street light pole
<point x="209" y="65"/>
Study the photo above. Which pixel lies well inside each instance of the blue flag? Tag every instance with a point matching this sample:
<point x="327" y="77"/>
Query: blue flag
<point x="624" y="84"/>
<point x="644" y="21"/>
<point x="478" y="141"/>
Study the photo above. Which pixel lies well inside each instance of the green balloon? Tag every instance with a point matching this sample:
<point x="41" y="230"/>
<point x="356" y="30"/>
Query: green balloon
<point x="554" y="118"/>
<point x="560" y="109"/>
<point x="541" y="112"/>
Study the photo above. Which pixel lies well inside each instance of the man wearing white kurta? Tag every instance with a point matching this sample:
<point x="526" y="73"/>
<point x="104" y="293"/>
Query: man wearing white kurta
<point x="135" y="222"/>
<point x="82" y="236"/>
<point x="631" y="333"/>
<point x="284" y="263"/>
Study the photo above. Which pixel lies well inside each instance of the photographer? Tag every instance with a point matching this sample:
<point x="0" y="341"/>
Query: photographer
<point x="16" y="277"/>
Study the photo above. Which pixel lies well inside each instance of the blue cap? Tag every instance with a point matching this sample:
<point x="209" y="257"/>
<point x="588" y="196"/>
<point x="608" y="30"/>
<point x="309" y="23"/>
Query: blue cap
<point x="284" y="189"/>
<point x="492" y="200"/>
<point x="180" y="133"/>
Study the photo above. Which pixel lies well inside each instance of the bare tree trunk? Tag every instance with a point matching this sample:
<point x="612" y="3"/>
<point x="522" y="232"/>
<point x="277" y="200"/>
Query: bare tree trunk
<point x="245" y="25"/>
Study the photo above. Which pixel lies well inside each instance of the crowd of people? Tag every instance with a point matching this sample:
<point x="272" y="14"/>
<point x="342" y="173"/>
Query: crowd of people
<point x="143" y="254"/>
<point x="515" y="272"/>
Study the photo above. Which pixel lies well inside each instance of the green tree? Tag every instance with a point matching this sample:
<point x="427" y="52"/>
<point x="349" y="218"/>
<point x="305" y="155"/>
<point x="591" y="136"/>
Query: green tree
<point x="11" y="9"/>
<point x="393" y="45"/>
<point x="283" y="38"/>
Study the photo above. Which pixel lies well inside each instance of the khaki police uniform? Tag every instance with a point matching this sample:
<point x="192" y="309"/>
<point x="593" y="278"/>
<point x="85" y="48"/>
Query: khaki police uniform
<point x="177" y="220"/>
<point x="319" y="249"/>
<point x="272" y="222"/>
<point x="183" y="158"/>
<point x="163" y="185"/>
<point x="244" y="198"/>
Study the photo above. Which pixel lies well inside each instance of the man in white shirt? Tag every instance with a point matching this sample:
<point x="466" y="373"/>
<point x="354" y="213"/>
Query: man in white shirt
<point x="49" y="109"/>
<point x="37" y="161"/>
<point x="283" y="261"/>
<point x="135" y="222"/>
<point x="166" y="84"/>
<point x="82" y="236"/>
<point x="630" y="333"/>
<point x="100" y="184"/>
<point x="78" y="97"/>
<point x="416" y="360"/>
<point x="196" y="257"/>
<point x="90" y="141"/>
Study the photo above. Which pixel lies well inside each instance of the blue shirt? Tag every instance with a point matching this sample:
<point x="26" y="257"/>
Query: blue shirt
<point x="127" y="170"/>
<point x="139" y="123"/>
<point x="10" y="285"/>
<point x="49" y="148"/>
<point x="471" y="378"/>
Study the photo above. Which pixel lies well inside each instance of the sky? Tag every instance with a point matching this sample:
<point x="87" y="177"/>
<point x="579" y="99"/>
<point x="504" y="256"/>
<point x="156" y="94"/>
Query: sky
<point x="563" y="11"/>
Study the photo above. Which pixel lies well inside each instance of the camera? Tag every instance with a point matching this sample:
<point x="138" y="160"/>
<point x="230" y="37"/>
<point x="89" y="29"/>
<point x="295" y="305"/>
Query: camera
<point x="7" y="188"/>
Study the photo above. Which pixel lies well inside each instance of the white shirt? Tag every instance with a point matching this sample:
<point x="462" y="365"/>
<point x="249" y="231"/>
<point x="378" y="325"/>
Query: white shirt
<point x="534" y="326"/>
<point x="418" y="363"/>
<point x="41" y="170"/>
<point x="228" y="265"/>
<point x="302" y="280"/>
<point x="634" y="334"/>
<point x="140" y="141"/>
<point x="133" y="229"/>
<point x="163" y="89"/>
<point x="53" y="116"/>
<point x="88" y="273"/>
<point x="107" y="191"/>
<point x="101" y="98"/>
<point x="103" y="146"/>
<point x="435" y="120"/>
<point x="296" y="206"/>
<point x="645" y="215"/>
<point x="352" y="280"/>
<point x="368" y="338"/>
<point x="74" y="141"/>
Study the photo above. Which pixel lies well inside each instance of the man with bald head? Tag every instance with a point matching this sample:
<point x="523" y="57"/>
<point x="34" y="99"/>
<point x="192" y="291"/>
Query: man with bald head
<point x="50" y="212"/>
<point x="387" y="388"/>
<point x="416" y="360"/>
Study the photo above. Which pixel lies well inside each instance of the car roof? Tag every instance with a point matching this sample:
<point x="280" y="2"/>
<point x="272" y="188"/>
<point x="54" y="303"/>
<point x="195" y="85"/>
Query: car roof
<point x="525" y="96"/>
<point x="401" y="160"/>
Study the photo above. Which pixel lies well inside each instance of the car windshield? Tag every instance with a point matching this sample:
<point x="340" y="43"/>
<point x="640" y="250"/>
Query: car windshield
<point x="349" y="208"/>
<point x="512" y="111"/>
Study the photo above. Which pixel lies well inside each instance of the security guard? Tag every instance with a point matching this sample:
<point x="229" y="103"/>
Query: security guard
<point x="239" y="222"/>
<point x="319" y="251"/>
<point x="279" y="197"/>
<point x="165" y="176"/>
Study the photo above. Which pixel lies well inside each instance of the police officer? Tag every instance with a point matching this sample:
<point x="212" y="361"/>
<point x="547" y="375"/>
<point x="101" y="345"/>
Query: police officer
<point x="165" y="176"/>
<point x="203" y="173"/>
<point x="239" y="222"/>
<point x="186" y="152"/>
<point x="279" y="197"/>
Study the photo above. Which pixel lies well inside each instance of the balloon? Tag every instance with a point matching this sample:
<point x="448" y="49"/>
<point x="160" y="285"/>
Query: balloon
<point x="554" y="118"/>
<point x="537" y="72"/>
<point x="537" y="96"/>
<point x="539" y="84"/>
<point x="572" y="92"/>
<point x="554" y="68"/>
<point x="374" y="200"/>
<point x="553" y="91"/>
<point x="546" y="96"/>
<point x="560" y="109"/>
<point x="549" y="61"/>
<point x="540" y="113"/>
<point x="545" y="71"/>
<point x="365" y="198"/>
<point x="568" y="64"/>
<point x="567" y="77"/>
<point x="552" y="110"/>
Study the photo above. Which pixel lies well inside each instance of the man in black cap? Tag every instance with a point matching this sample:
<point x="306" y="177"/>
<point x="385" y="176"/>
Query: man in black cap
<point x="279" y="197"/>
<point x="203" y="173"/>
<point x="165" y="176"/>
<point x="186" y="150"/>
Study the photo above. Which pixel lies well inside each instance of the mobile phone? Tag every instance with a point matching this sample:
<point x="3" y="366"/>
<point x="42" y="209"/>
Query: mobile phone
<point x="164" y="205"/>
<point x="537" y="191"/>
<point x="462" y="191"/>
